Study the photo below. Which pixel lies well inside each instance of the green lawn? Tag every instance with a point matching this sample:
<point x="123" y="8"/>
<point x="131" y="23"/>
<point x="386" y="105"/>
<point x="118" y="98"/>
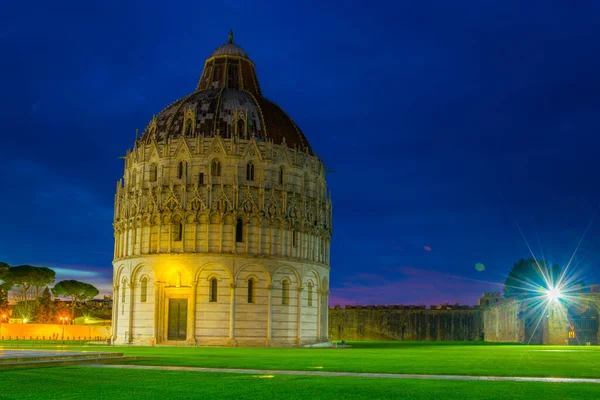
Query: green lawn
<point x="390" y="357"/>
<point x="94" y="383"/>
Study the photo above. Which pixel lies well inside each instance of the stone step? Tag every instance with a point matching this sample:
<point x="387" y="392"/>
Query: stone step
<point x="12" y="356"/>
<point x="62" y="362"/>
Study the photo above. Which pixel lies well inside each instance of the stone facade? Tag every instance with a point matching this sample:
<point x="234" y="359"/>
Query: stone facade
<point x="438" y="323"/>
<point x="222" y="222"/>
<point x="525" y="321"/>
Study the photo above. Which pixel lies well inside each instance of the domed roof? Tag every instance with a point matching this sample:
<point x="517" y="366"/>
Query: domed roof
<point x="230" y="49"/>
<point x="228" y="102"/>
<point x="227" y="112"/>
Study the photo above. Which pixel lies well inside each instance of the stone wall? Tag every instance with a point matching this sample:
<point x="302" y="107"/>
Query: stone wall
<point x="504" y="322"/>
<point x="405" y="323"/>
<point x="53" y="331"/>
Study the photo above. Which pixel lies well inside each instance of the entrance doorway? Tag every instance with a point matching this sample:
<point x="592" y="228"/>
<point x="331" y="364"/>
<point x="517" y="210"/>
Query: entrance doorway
<point x="177" y="319"/>
<point x="583" y="326"/>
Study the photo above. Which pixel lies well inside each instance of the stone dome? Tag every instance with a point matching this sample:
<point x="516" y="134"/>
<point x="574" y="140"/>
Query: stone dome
<point x="230" y="49"/>
<point x="228" y="92"/>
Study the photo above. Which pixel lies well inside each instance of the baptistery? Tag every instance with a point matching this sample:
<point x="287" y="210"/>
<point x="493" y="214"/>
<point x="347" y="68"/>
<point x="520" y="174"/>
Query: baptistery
<point x="222" y="221"/>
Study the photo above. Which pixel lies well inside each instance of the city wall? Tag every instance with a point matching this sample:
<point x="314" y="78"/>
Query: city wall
<point x="504" y="322"/>
<point x="438" y="323"/>
<point x="53" y="331"/>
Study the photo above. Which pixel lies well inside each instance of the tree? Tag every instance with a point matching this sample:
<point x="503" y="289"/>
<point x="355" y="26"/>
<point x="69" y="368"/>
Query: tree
<point x="22" y="276"/>
<point x="527" y="277"/>
<point x="45" y="310"/>
<point x="42" y="277"/>
<point x="76" y="290"/>
<point x="4" y="286"/>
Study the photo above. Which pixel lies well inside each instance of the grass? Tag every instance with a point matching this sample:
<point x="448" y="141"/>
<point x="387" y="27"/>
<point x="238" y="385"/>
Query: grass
<point x="92" y="383"/>
<point x="387" y="357"/>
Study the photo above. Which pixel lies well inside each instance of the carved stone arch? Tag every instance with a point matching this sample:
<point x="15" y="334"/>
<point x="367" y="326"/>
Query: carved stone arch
<point x="216" y="265"/>
<point x="313" y="276"/>
<point x="137" y="269"/>
<point x="177" y="217"/>
<point x="189" y="122"/>
<point x="294" y="271"/>
<point x="250" y="265"/>
<point x="166" y="218"/>
<point x="117" y="277"/>
<point x="190" y="217"/>
<point x="214" y="275"/>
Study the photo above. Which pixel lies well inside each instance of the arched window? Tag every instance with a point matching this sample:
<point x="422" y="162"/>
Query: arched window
<point x="251" y="297"/>
<point x="285" y="292"/>
<point x="178" y="232"/>
<point x="239" y="231"/>
<point x="188" y="127"/>
<point x="310" y="294"/>
<point x="281" y="173"/>
<point x="153" y="170"/>
<point x="250" y="172"/>
<point x="201" y="178"/>
<point x="181" y="170"/>
<point x="240" y="128"/>
<point x="294" y="238"/>
<point x="133" y="177"/>
<point x="213" y="290"/>
<point x="144" y="292"/>
<point x="215" y="168"/>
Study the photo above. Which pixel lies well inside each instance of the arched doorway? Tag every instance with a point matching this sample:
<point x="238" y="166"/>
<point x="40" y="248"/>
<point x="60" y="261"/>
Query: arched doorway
<point x="583" y="325"/>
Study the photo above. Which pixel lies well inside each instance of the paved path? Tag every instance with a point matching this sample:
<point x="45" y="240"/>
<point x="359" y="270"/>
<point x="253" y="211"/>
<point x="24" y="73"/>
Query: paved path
<point x="351" y="374"/>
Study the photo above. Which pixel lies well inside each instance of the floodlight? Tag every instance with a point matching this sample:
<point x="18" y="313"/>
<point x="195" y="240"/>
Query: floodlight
<point x="553" y="294"/>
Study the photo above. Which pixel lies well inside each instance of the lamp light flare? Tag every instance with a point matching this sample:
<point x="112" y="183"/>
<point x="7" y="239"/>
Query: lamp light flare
<point x="553" y="294"/>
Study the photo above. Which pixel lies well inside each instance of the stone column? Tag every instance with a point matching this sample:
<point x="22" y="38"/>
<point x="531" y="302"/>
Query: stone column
<point x="207" y="234"/>
<point x="281" y="239"/>
<point x="115" y="312"/>
<point x="158" y="248"/>
<point x="269" y="313"/>
<point x="160" y="317"/>
<point x="170" y="237"/>
<point x="157" y="295"/>
<point x="195" y="236"/>
<point x="325" y="311"/>
<point x="319" y="315"/>
<point x="248" y="232"/>
<point x="299" y="315"/>
<point x="221" y="236"/>
<point x="232" y="341"/>
<point x="131" y="301"/>
<point x="191" y="322"/>
<point x="115" y="255"/>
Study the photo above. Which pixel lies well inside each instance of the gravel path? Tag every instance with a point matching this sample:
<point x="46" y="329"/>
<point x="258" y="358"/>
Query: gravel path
<point x="351" y="374"/>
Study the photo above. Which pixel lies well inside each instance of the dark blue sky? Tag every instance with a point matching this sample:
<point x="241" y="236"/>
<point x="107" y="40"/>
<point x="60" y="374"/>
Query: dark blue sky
<point x="446" y="124"/>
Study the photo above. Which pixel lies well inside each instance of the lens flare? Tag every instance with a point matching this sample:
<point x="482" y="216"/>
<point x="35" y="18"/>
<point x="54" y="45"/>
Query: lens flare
<point x="553" y="294"/>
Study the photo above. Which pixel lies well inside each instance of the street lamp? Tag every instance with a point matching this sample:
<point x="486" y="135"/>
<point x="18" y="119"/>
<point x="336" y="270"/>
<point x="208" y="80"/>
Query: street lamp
<point x="63" y="319"/>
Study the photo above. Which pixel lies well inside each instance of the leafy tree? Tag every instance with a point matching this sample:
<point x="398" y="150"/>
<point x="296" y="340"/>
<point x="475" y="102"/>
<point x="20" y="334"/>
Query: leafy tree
<point x="42" y="277"/>
<point x="76" y="290"/>
<point x="4" y="286"/>
<point x="527" y="277"/>
<point x="21" y="276"/>
<point x="46" y="310"/>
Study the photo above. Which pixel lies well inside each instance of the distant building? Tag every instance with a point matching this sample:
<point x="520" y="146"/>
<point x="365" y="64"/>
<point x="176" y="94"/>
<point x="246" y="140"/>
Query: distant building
<point x="222" y="220"/>
<point x="489" y="299"/>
